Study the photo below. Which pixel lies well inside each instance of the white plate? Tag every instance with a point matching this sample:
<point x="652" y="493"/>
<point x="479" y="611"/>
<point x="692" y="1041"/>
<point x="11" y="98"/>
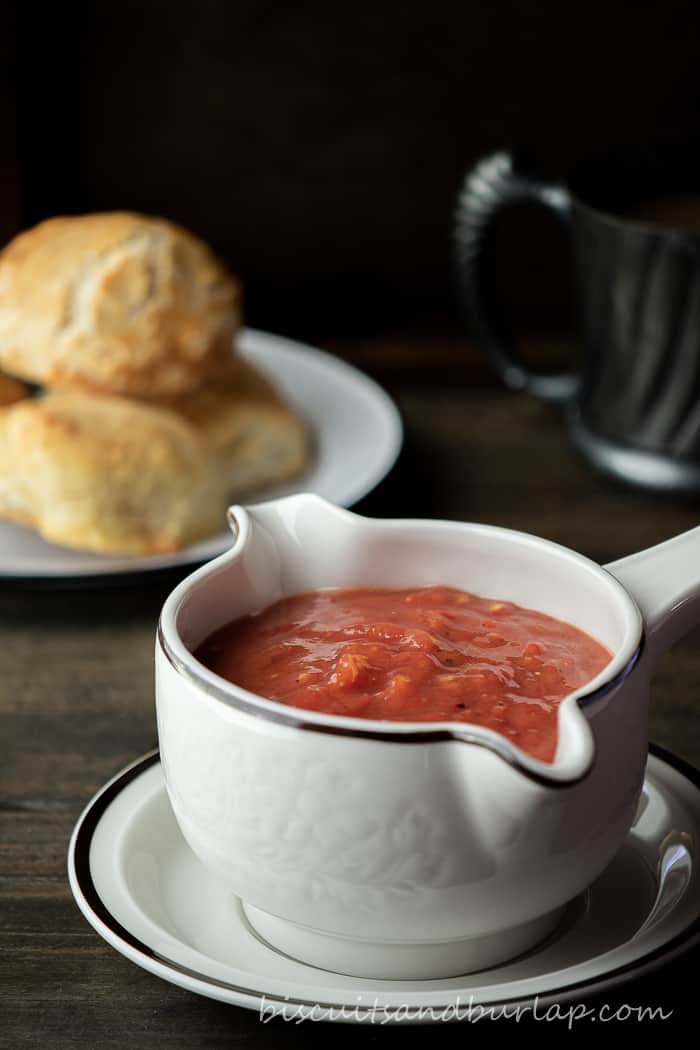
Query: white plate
<point x="140" y="886"/>
<point x="357" y="436"/>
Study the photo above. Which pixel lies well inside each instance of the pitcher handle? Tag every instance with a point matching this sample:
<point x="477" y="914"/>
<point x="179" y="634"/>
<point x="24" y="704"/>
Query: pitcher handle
<point x="489" y="188"/>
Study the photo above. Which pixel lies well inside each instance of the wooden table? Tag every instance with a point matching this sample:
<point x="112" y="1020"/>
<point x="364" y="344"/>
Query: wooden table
<point x="76" y="704"/>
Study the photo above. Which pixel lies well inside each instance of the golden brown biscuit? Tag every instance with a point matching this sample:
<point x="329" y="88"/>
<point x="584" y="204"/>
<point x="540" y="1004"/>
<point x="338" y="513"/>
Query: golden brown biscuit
<point x="115" y="303"/>
<point x="115" y="475"/>
<point x="256" y="438"/>
<point x="107" y="474"/>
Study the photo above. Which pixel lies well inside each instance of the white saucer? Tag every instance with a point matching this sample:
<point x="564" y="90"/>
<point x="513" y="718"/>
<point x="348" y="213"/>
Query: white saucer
<point x="142" y="889"/>
<point x="357" y="435"/>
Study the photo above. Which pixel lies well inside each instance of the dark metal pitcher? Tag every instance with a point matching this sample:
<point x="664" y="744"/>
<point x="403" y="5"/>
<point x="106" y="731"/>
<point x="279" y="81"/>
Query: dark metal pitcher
<point x="633" y="404"/>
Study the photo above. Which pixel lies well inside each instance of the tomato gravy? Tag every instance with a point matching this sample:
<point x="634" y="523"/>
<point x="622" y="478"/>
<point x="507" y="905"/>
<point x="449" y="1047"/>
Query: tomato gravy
<point x="427" y="654"/>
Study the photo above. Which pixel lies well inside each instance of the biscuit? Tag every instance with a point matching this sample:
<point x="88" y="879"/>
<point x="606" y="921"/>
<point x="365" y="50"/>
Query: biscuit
<point x="256" y="439"/>
<point x="116" y="475"/>
<point x="107" y="474"/>
<point x="115" y="303"/>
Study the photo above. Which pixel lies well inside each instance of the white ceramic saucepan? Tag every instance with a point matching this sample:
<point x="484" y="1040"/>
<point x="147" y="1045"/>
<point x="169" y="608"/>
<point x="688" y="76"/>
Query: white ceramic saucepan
<point x="399" y="849"/>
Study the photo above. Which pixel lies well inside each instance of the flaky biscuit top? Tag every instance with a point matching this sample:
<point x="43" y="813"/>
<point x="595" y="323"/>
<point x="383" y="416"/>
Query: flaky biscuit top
<point x="115" y="303"/>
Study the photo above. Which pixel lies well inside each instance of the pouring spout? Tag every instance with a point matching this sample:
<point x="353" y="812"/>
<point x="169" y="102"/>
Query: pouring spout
<point x="665" y="583"/>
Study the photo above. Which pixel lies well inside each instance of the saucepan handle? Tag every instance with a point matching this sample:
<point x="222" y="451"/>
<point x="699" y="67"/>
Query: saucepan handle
<point x="665" y="582"/>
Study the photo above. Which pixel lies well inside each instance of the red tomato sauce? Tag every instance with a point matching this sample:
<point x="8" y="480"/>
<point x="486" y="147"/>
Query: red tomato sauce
<point x="429" y="654"/>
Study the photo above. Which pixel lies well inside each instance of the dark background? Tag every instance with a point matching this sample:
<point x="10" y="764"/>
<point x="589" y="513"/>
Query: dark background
<point x="319" y="146"/>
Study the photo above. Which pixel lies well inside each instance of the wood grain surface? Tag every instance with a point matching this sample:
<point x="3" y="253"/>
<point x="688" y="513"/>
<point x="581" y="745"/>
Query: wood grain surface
<point x="76" y="704"/>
